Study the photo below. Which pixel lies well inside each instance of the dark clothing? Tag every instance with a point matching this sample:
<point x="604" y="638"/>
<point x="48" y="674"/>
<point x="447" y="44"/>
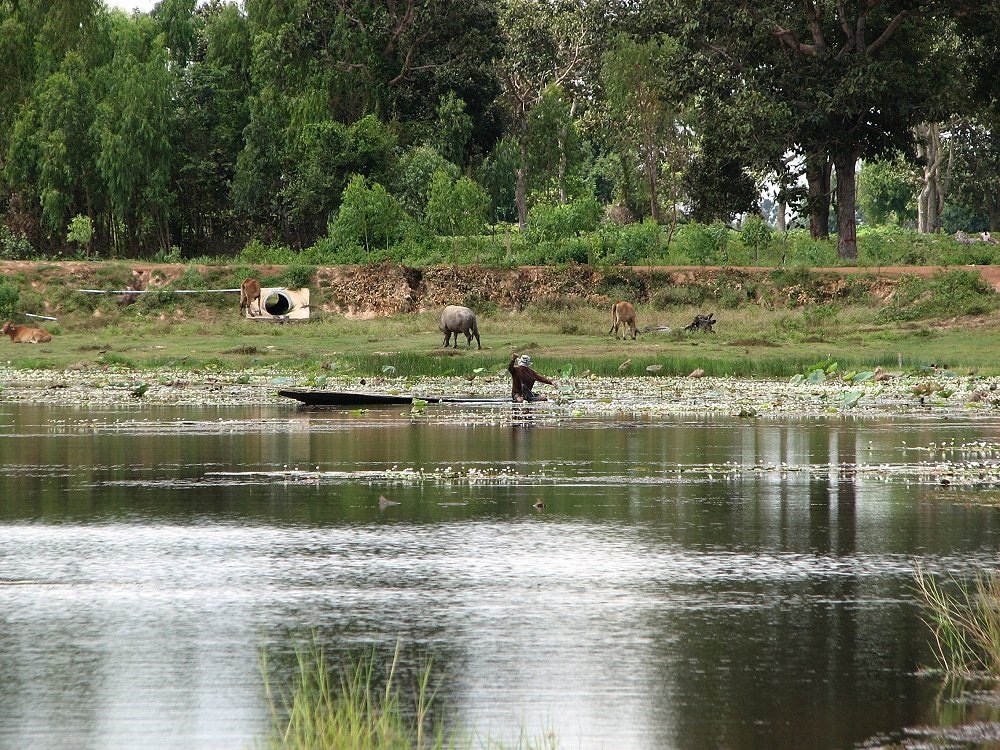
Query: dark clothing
<point x="523" y="379"/>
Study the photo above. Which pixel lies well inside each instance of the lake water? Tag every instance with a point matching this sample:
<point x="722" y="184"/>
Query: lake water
<point x="688" y="582"/>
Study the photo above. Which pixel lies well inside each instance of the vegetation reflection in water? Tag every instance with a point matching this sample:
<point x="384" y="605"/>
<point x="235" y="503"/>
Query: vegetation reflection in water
<point x="715" y="558"/>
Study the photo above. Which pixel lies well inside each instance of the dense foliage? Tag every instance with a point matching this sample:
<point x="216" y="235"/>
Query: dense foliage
<point x="419" y="130"/>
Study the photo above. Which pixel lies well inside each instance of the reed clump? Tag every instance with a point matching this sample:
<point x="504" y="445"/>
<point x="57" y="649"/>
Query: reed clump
<point x="964" y="617"/>
<point x="352" y="711"/>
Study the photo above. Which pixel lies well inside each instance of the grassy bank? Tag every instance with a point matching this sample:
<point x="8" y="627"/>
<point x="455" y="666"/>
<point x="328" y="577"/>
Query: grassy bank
<point x="750" y="343"/>
<point x="767" y="326"/>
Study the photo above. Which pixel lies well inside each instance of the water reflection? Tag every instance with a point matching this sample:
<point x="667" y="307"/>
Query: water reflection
<point x="660" y="600"/>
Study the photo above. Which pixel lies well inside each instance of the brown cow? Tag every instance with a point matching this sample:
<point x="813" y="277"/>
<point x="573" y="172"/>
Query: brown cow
<point x="25" y="334"/>
<point x="623" y="315"/>
<point x="249" y="292"/>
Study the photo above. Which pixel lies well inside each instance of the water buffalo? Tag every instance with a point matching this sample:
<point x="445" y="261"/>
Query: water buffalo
<point x="250" y="292"/>
<point x="623" y="315"/>
<point x="456" y="319"/>
<point x="25" y="334"/>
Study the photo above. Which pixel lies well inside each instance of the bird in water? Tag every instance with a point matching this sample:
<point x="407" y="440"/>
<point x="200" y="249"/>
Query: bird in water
<point x="539" y="504"/>
<point x="384" y="502"/>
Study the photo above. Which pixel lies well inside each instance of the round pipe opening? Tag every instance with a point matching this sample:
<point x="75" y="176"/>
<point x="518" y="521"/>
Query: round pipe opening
<point x="278" y="303"/>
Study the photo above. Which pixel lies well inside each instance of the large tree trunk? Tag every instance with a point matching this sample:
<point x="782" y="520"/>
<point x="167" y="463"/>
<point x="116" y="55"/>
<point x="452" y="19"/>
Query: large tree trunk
<point x="818" y="169"/>
<point x="846" y="162"/>
<point x="930" y="202"/>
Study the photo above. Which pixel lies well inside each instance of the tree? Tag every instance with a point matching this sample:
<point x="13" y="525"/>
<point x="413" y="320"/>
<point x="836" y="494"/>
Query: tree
<point x="977" y="164"/>
<point x="369" y="216"/>
<point x="645" y="105"/>
<point x="936" y="159"/>
<point x="134" y="125"/>
<point x="556" y="151"/>
<point x="886" y="189"/>
<point x="453" y="129"/>
<point x="852" y="79"/>
<point x="456" y="207"/>
<point x="416" y="168"/>
<point x="212" y="111"/>
<point x="543" y="44"/>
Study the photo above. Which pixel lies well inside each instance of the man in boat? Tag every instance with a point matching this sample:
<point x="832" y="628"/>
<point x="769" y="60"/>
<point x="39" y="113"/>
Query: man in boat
<point x="523" y="379"/>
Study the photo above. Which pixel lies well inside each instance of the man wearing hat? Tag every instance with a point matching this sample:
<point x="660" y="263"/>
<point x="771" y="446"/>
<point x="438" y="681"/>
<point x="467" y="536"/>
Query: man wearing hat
<point x="523" y="379"/>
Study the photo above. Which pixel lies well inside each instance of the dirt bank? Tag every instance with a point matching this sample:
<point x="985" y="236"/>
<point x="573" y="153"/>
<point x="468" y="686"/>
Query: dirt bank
<point x="391" y="289"/>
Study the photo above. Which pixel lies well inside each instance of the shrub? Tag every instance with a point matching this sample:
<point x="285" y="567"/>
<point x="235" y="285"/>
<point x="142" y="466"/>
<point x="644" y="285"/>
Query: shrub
<point x="703" y="244"/>
<point x="456" y="207"/>
<point x="556" y="222"/>
<point x="14" y="246"/>
<point x="755" y="235"/>
<point x="681" y="295"/>
<point x="369" y="216"/>
<point x="946" y="294"/>
<point x="296" y="276"/>
<point x="9" y="295"/>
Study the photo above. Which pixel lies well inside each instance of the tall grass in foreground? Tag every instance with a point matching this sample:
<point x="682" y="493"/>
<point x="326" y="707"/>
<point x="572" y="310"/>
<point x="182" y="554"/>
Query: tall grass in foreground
<point x="964" y="618"/>
<point x="325" y="712"/>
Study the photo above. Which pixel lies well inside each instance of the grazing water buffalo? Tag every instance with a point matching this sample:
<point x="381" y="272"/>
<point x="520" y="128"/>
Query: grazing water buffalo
<point x="25" y="334"/>
<point x="456" y="319"/>
<point x="249" y="292"/>
<point x="623" y="315"/>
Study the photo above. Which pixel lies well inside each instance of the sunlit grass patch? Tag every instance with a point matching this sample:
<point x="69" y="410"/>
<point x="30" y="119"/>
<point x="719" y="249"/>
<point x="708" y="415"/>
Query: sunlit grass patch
<point x="362" y="706"/>
<point x="964" y="618"/>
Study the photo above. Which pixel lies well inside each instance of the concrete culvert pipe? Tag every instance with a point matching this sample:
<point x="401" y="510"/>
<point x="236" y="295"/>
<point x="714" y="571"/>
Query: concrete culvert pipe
<point x="279" y="302"/>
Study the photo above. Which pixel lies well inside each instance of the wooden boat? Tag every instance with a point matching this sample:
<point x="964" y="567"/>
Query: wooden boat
<point x="357" y="398"/>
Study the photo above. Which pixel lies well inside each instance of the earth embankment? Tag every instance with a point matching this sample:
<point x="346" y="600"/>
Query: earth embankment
<point x="392" y="289"/>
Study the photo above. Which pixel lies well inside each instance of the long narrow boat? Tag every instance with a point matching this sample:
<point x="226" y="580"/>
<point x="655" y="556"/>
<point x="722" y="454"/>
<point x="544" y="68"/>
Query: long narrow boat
<point x="356" y="398"/>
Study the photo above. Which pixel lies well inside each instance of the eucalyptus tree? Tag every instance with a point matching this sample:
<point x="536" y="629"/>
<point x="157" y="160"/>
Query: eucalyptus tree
<point x="36" y="36"/>
<point x="53" y="150"/>
<point x="544" y="43"/>
<point x="641" y="81"/>
<point x="559" y="157"/>
<point x="213" y="91"/>
<point x="134" y="129"/>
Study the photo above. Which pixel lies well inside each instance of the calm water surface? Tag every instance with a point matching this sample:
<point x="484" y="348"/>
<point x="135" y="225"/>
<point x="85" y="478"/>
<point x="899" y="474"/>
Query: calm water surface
<point x="655" y="601"/>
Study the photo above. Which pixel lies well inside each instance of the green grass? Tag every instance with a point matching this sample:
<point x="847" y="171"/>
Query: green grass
<point x="750" y="342"/>
<point x="964" y="618"/>
<point x="362" y="707"/>
<point x="768" y="327"/>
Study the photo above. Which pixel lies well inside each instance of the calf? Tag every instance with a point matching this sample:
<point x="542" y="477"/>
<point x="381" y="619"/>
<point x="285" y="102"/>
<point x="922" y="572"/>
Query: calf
<point x="623" y="316"/>
<point x="250" y="292"/>
<point x="25" y="334"/>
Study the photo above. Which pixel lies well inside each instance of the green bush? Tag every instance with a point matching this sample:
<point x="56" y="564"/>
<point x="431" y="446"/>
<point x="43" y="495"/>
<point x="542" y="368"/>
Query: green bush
<point x="556" y="222"/>
<point x="755" y="235"/>
<point x="803" y="250"/>
<point x="369" y="216"/>
<point x="678" y="295"/>
<point x="9" y="295"/>
<point x="455" y="207"/>
<point x="13" y="246"/>
<point x="946" y="294"/>
<point x="704" y="244"/>
<point x="296" y="276"/>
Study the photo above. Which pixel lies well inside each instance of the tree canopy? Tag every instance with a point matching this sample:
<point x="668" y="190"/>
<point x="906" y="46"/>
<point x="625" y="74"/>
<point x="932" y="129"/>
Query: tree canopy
<point x="203" y="127"/>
